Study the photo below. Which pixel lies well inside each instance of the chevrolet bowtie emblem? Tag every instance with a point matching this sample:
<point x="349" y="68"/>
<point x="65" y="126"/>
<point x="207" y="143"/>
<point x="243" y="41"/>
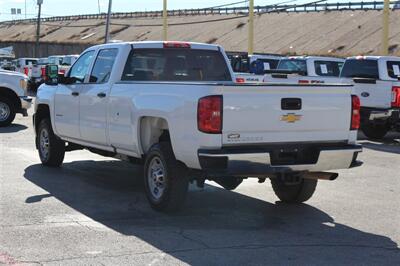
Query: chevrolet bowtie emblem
<point x="291" y="118"/>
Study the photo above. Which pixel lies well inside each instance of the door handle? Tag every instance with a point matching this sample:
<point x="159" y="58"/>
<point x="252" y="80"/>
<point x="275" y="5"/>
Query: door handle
<point x="75" y="93"/>
<point x="101" y="95"/>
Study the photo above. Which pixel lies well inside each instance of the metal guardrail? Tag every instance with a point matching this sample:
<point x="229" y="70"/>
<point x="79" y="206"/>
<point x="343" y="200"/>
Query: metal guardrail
<point x="313" y="7"/>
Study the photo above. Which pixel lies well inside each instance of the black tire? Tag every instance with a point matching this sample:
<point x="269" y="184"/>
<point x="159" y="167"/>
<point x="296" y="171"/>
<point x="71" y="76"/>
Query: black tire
<point x="294" y="193"/>
<point x="229" y="183"/>
<point x="7" y="112"/>
<point x="375" y="131"/>
<point x="167" y="191"/>
<point x="51" y="148"/>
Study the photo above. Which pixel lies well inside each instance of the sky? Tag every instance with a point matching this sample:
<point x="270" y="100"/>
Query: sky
<point x="77" y="7"/>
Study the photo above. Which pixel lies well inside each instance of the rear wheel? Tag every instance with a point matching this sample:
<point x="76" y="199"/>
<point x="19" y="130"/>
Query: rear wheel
<point x="294" y="192"/>
<point x="51" y="148"/>
<point x="375" y="131"/>
<point x="165" y="179"/>
<point x="7" y="112"/>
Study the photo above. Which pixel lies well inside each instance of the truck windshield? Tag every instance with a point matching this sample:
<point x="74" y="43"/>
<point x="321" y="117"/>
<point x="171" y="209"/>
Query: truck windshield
<point x="55" y="60"/>
<point x="67" y="61"/>
<point x="356" y="68"/>
<point x="170" y="64"/>
<point x="296" y="65"/>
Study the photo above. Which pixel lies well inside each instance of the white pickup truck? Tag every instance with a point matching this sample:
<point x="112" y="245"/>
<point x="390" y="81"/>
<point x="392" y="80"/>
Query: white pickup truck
<point x="13" y="96"/>
<point x="376" y="82"/>
<point x="175" y="107"/>
<point x="298" y="69"/>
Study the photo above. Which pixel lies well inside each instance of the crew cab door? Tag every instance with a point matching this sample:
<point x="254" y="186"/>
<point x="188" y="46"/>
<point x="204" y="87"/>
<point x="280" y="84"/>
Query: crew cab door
<point x="94" y="99"/>
<point x="66" y="102"/>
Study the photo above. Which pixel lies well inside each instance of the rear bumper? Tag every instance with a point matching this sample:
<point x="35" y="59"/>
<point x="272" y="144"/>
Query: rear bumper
<point x="26" y="103"/>
<point x="263" y="162"/>
<point x="382" y="114"/>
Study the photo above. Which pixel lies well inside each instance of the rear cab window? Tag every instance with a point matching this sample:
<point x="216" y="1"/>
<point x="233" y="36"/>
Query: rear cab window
<point x="175" y="64"/>
<point x="30" y="62"/>
<point x="360" y="68"/>
<point x="328" y="68"/>
<point x="393" y="68"/>
<point x="295" y="65"/>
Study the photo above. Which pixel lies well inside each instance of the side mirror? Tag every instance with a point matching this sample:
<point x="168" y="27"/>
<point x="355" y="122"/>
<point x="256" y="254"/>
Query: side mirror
<point x="51" y="75"/>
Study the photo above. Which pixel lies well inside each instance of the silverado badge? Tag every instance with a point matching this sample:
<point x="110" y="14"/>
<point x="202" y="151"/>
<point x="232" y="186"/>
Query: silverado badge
<point x="291" y="118"/>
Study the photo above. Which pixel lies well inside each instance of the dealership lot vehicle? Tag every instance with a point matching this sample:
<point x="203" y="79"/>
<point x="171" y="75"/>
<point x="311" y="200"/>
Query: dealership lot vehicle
<point x="64" y="62"/>
<point x="94" y="211"/>
<point x="25" y="65"/>
<point x="174" y="106"/>
<point x="376" y="82"/>
<point x="38" y="72"/>
<point x="298" y="69"/>
<point x="13" y="96"/>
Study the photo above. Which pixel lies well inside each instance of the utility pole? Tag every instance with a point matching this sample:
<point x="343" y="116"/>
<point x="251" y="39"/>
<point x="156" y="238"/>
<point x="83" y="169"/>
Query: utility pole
<point x="98" y="5"/>
<point x="25" y="9"/>
<point x="107" y="37"/>
<point x="385" y="28"/>
<point x="39" y="2"/>
<point x="165" y="23"/>
<point x="251" y="28"/>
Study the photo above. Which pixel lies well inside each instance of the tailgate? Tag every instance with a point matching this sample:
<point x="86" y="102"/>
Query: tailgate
<point x="36" y="72"/>
<point x="373" y="93"/>
<point x="286" y="113"/>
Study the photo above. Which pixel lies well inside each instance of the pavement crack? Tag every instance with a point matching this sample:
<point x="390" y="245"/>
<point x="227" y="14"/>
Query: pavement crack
<point x="197" y="241"/>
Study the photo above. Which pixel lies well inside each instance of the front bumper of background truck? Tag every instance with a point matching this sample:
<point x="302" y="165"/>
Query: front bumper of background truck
<point x="269" y="160"/>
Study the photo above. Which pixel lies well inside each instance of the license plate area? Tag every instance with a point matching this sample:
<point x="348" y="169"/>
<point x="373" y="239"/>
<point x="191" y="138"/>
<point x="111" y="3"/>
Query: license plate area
<point x="294" y="156"/>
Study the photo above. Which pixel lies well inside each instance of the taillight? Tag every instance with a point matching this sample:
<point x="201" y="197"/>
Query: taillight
<point x="355" y="112"/>
<point x="304" y="81"/>
<point x="176" y="45"/>
<point x="240" y="80"/>
<point x="396" y="96"/>
<point x="43" y="71"/>
<point x="209" y="114"/>
<point x="26" y="71"/>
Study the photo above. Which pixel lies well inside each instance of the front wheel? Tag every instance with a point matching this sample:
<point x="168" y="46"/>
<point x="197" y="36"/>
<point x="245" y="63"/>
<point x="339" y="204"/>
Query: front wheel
<point x="165" y="179"/>
<point x="7" y="112"/>
<point x="294" y="192"/>
<point x="51" y="148"/>
<point x="375" y="131"/>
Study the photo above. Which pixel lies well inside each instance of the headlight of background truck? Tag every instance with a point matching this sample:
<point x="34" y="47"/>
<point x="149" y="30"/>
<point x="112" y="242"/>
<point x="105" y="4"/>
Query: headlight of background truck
<point x="23" y="83"/>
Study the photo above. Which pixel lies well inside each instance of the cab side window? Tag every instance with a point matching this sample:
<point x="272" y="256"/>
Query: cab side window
<point x="103" y="66"/>
<point x="81" y="67"/>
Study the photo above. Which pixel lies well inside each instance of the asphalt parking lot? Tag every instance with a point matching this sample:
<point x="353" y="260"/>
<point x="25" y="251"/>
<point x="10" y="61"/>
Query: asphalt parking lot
<point x="93" y="211"/>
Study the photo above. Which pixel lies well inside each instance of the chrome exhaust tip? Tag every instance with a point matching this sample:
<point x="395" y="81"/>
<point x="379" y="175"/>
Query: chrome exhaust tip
<point x="321" y="176"/>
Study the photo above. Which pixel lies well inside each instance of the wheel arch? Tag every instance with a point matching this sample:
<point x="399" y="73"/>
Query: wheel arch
<point x="11" y="95"/>
<point x="42" y="111"/>
<point x="151" y="131"/>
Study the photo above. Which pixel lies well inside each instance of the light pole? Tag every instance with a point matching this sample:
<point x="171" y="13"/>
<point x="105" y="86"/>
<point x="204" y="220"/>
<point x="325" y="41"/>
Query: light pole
<point x="107" y="37"/>
<point x="385" y="28"/>
<point x="251" y="28"/>
<point x="165" y="23"/>
<point x="39" y="2"/>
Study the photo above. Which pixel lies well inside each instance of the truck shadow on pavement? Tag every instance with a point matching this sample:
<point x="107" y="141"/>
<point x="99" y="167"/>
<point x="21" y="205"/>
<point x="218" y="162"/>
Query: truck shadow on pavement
<point x="390" y="143"/>
<point x="12" y="128"/>
<point x="216" y="226"/>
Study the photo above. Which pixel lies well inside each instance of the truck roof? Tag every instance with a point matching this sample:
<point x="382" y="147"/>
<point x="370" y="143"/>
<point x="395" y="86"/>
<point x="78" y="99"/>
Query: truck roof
<point x="375" y="57"/>
<point x="161" y="44"/>
<point x="305" y="57"/>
